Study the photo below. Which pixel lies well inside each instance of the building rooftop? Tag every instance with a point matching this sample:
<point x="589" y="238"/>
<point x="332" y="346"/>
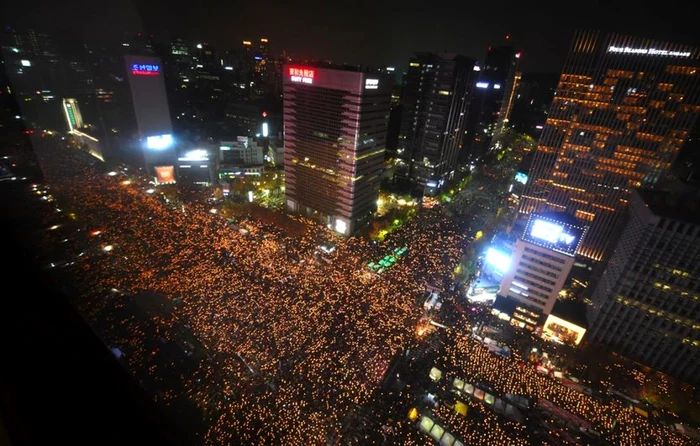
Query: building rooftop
<point x="682" y="205"/>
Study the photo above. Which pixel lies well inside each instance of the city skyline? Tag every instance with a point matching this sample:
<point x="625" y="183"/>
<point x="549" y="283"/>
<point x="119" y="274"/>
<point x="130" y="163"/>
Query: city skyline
<point x="541" y="31"/>
<point x="386" y="234"/>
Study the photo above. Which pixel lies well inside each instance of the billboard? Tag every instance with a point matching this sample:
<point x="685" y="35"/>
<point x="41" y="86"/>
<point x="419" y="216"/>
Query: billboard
<point x="554" y="234"/>
<point x="165" y="174"/>
<point x="498" y="259"/>
<point x="303" y="75"/>
<point x="562" y="330"/>
<point x="159" y="142"/>
<point x="520" y="177"/>
<point x="72" y="112"/>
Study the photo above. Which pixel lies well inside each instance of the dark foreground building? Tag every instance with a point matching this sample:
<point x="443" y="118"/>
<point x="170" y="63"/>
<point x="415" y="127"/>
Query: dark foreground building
<point x="647" y="304"/>
<point x="493" y="97"/>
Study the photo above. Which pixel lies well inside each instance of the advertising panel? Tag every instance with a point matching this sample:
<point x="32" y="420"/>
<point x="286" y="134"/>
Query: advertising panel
<point x="553" y="234"/>
<point x="165" y="174"/>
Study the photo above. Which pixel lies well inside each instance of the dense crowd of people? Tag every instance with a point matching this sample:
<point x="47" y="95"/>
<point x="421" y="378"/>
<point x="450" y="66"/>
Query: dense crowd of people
<point x="292" y="344"/>
<point x="467" y="359"/>
<point x="318" y="336"/>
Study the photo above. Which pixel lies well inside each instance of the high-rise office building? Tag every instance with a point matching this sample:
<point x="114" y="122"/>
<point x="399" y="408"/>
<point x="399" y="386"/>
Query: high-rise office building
<point x="540" y="264"/>
<point x="261" y="68"/>
<point x="647" y="303"/>
<point x="155" y="129"/>
<point x="494" y="88"/>
<point x="179" y="64"/>
<point x="335" y="123"/>
<point x="623" y="108"/>
<point x="436" y="103"/>
<point x="207" y="68"/>
<point x="237" y="73"/>
<point x="43" y="69"/>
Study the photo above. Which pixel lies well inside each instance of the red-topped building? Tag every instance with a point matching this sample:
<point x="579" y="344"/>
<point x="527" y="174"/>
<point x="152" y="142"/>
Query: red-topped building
<point x="334" y="140"/>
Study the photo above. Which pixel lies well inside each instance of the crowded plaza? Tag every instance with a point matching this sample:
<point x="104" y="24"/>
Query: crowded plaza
<point x="281" y="347"/>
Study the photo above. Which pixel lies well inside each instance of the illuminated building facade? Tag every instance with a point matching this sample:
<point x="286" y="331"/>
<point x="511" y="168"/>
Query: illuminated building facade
<point x="335" y="125"/>
<point x="436" y="103"/>
<point x="74" y="118"/>
<point x="622" y="110"/>
<point x="562" y="331"/>
<point x="647" y="303"/>
<point x="542" y="260"/>
<point x="179" y="64"/>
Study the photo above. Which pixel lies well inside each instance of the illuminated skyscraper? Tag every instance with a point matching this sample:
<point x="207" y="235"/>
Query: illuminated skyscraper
<point x="335" y="125"/>
<point x="623" y="108"/>
<point x="262" y="68"/>
<point x="541" y="261"/>
<point x="647" y="304"/>
<point x="436" y="101"/>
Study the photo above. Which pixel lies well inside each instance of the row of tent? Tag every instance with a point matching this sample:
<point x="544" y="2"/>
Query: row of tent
<point x="498" y="405"/>
<point x="437" y="432"/>
<point x="388" y="261"/>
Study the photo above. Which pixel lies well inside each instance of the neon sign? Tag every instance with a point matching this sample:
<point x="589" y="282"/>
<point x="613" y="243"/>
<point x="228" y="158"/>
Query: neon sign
<point x="550" y="232"/>
<point x="647" y="51"/>
<point x="140" y="69"/>
<point x="303" y="75"/>
<point x="371" y="84"/>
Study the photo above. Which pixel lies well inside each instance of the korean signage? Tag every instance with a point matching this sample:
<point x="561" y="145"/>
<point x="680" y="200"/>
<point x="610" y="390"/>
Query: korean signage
<point x="141" y="69"/>
<point x="303" y="75"/>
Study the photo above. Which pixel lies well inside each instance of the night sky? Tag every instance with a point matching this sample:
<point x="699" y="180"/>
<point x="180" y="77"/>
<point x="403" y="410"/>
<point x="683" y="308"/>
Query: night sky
<point x="376" y="33"/>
